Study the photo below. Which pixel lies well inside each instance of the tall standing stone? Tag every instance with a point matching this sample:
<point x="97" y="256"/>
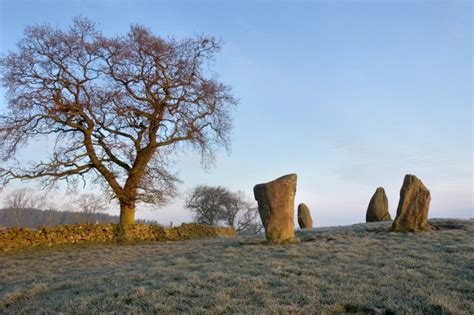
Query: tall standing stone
<point x="276" y="202"/>
<point x="412" y="211"/>
<point x="304" y="217"/>
<point x="378" y="207"/>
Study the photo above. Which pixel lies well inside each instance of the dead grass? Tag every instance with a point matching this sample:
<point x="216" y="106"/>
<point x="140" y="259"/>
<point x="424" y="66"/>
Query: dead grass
<point x="355" y="269"/>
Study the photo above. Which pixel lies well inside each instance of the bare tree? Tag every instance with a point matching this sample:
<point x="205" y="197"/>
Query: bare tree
<point x="206" y="202"/>
<point x="20" y="199"/>
<point x="241" y="213"/>
<point x="24" y="198"/>
<point x="91" y="205"/>
<point x="212" y="205"/>
<point x="249" y="221"/>
<point x="232" y="205"/>
<point x="120" y="108"/>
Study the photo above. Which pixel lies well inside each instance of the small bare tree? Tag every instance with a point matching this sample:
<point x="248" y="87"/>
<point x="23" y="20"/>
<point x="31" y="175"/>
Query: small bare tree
<point x="249" y="221"/>
<point x="206" y="202"/>
<point x="91" y="205"/>
<point x="119" y="108"/>
<point x="232" y="205"/>
<point x="23" y="198"/>
<point x="241" y="213"/>
<point x="212" y="205"/>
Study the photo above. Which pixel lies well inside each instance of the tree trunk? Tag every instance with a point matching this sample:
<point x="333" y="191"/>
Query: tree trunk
<point x="127" y="214"/>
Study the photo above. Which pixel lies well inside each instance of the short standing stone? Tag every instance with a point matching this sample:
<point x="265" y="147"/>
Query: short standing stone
<point x="378" y="207"/>
<point x="304" y="217"/>
<point x="276" y="202"/>
<point x="412" y="211"/>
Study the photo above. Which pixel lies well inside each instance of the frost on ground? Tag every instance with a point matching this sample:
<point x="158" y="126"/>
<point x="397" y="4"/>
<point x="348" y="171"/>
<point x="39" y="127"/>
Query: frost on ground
<point x="360" y="268"/>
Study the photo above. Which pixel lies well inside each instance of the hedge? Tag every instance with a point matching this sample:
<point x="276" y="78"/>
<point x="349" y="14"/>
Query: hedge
<point x="18" y="238"/>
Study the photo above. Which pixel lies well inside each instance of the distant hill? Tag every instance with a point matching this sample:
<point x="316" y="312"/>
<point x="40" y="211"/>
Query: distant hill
<point x="33" y="218"/>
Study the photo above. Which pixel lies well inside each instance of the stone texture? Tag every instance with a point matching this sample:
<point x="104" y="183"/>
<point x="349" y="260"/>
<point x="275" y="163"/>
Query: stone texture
<point x="378" y="207"/>
<point x="18" y="238"/>
<point x="412" y="211"/>
<point x="276" y="202"/>
<point x="304" y="217"/>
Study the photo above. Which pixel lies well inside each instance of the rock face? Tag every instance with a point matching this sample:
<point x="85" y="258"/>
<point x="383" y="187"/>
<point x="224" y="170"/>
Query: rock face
<point x="276" y="202"/>
<point x="304" y="217"/>
<point x="378" y="207"/>
<point x="412" y="211"/>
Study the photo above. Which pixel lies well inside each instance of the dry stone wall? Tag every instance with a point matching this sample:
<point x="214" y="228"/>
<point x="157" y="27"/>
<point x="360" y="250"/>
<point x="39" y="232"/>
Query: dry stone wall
<point x="18" y="238"/>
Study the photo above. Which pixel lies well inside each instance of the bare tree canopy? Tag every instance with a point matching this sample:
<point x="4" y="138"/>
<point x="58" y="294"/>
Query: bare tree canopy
<point x="21" y="199"/>
<point x="117" y="107"/>
<point x="206" y="202"/>
<point x="212" y="205"/>
<point x="24" y="198"/>
<point x="91" y="205"/>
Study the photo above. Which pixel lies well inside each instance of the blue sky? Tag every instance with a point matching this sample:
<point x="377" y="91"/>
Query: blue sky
<point x="350" y="95"/>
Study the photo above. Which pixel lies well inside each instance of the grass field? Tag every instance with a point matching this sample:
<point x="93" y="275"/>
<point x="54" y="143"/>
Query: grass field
<point x="353" y="269"/>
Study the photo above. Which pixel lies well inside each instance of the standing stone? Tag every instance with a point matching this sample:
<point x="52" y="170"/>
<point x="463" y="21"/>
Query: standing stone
<point x="304" y="217"/>
<point x="378" y="207"/>
<point x="412" y="211"/>
<point x="276" y="202"/>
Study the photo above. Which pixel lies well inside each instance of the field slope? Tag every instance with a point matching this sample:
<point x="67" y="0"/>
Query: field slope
<point x="359" y="268"/>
